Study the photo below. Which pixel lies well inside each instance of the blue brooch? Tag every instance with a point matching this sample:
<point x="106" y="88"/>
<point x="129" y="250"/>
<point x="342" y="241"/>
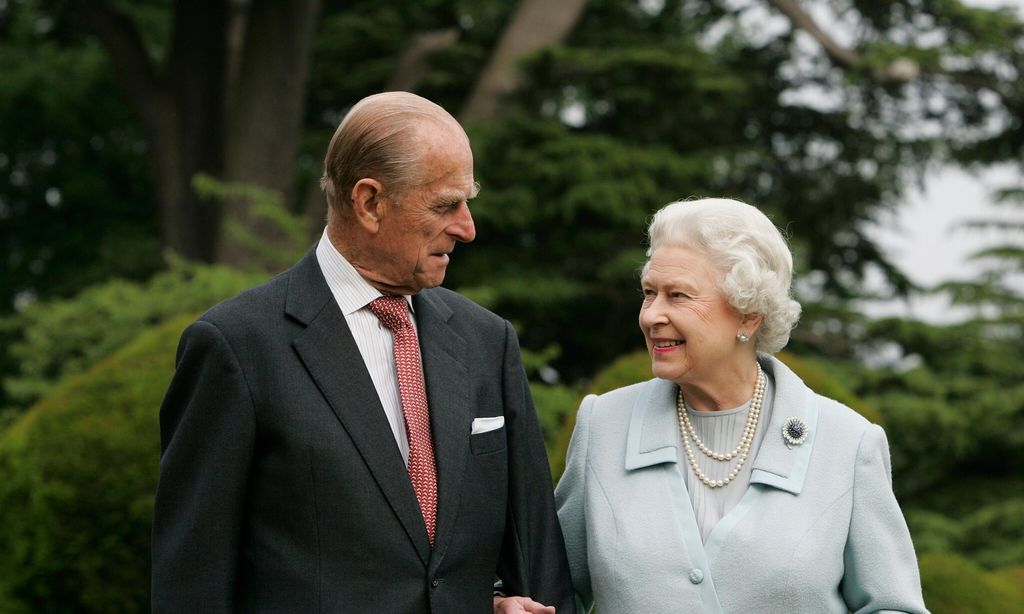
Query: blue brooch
<point x="794" y="431"/>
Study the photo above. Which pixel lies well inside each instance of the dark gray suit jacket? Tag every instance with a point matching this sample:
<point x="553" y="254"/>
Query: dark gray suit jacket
<point x="282" y="488"/>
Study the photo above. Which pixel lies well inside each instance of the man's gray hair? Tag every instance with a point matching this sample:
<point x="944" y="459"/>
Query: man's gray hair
<point x="380" y="137"/>
<point x="754" y="263"/>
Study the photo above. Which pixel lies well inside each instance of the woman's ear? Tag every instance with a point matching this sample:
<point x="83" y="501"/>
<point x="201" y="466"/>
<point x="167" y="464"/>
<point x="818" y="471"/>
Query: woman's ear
<point x="750" y="322"/>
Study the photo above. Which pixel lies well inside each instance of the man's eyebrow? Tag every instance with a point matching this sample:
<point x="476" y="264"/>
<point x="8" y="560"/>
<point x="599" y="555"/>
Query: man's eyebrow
<point x="456" y="195"/>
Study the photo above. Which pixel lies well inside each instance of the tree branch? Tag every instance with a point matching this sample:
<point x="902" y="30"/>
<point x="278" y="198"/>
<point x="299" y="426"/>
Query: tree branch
<point x="135" y="72"/>
<point x="900" y="70"/>
<point x="413" y="61"/>
<point x="803" y="21"/>
<point x="534" y="25"/>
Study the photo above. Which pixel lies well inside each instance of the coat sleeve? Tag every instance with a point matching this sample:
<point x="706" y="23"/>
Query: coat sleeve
<point x="532" y="561"/>
<point x="207" y="428"/>
<point x="881" y="568"/>
<point x="570" y="497"/>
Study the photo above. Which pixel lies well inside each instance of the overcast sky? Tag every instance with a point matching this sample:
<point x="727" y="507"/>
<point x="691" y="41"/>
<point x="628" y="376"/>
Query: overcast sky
<point x="926" y="238"/>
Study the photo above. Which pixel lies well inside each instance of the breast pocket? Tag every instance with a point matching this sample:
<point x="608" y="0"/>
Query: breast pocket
<point x="488" y="442"/>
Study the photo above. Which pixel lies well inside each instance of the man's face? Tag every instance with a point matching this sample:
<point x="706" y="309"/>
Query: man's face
<point x="421" y="226"/>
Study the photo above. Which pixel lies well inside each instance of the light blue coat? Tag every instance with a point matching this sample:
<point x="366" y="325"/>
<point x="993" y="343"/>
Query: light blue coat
<point x="818" y="529"/>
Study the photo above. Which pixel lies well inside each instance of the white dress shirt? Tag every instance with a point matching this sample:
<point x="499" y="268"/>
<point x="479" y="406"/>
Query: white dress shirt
<point x="376" y="343"/>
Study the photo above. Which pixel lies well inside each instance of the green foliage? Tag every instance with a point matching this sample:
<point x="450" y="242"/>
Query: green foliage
<point x="262" y="206"/>
<point x="77" y="478"/>
<point x="989" y="535"/>
<point x="954" y="585"/>
<point x="75" y="200"/>
<point x="560" y="230"/>
<point x="54" y="339"/>
<point x="556" y="407"/>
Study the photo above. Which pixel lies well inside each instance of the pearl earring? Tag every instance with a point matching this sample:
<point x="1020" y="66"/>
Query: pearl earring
<point x="742" y="337"/>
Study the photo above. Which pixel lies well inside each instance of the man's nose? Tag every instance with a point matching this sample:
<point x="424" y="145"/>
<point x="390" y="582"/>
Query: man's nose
<point x="463" y="228"/>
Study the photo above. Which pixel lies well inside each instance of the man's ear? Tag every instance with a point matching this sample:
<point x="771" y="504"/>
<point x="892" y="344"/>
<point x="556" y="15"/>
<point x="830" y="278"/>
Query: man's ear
<point x="367" y="203"/>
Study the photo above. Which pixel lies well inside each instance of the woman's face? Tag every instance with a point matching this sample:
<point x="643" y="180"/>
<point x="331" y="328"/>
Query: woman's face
<point x="689" y="326"/>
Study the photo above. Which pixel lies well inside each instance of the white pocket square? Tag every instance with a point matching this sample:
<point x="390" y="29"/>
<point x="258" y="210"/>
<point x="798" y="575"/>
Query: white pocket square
<point x="484" y="425"/>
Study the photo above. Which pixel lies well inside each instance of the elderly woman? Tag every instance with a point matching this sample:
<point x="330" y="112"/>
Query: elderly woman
<point x="725" y="484"/>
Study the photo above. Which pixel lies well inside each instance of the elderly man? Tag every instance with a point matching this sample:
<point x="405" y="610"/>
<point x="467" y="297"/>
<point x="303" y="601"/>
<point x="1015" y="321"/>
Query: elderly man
<point x="349" y="437"/>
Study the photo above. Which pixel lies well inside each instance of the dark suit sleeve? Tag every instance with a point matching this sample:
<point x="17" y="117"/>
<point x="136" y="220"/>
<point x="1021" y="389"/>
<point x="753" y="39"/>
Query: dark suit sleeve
<point x="207" y="428"/>
<point x="533" y="561"/>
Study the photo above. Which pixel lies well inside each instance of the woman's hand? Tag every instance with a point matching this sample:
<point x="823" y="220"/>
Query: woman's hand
<point x="518" y="605"/>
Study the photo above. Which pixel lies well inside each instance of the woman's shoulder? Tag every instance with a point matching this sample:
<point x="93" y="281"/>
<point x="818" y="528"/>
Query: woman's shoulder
<point x="621" y="400"/>
<point x="613" y="410"/>
<point x="831" y="413"/>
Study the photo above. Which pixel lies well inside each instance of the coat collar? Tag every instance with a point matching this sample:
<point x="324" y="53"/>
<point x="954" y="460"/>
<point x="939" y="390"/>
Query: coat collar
<point x="776" y="463"/>
<point x="654" y="432"/>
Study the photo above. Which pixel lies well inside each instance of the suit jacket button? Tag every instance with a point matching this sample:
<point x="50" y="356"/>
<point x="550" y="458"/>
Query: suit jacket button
<point x="696" y="576"/>
<point x="435" y="582"/>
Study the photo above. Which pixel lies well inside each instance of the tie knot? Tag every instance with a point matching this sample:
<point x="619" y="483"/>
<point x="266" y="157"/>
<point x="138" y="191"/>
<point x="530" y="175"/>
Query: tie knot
<point x="392" y="311"/>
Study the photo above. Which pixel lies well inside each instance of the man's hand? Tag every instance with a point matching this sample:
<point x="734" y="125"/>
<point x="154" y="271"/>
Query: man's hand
<point x="518" y="605"/>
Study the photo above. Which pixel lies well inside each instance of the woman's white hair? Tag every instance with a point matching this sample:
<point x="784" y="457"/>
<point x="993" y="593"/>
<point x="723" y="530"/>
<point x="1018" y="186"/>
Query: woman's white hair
<point x="754" y="263"/>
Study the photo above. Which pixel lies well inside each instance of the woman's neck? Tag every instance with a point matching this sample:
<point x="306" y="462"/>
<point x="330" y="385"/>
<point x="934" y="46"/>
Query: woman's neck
<point x="728" y="387"/>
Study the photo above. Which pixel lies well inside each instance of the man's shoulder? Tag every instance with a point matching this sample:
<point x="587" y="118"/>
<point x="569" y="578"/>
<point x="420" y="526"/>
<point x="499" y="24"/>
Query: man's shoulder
<point x="461" y="306"/>
<point x="266" y="303"/>
<point x="250" y="302"/>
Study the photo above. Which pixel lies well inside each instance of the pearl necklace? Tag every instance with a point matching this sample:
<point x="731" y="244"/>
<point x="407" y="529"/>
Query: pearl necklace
<point x="742" y="449"/>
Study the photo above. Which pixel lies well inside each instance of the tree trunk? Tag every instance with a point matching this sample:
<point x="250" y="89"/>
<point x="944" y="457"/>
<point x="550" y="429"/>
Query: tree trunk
<point x="264" y="114"/>
<point x="194" y="140"/>
<point x="180" y="108"/>
<point x="536" y="24"/>
<point x="222" y="104"/>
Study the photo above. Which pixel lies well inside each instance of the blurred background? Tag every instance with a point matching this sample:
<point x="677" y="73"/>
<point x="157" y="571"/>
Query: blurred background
<point x="157" y="156"/>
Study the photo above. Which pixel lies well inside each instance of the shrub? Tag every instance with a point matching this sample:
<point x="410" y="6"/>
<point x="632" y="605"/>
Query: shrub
<point x="953" y="585"/>
<point x="78" y="474"/>
<point x="54" y="339"/>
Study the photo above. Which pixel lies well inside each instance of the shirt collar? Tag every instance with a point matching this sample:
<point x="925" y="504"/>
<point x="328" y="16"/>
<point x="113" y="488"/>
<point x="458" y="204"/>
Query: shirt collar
<point x="350" y="289"/>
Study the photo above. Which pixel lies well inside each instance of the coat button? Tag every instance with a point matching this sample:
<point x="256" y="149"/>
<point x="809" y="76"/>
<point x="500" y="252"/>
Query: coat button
<point x="435" y="582"/>
<point x="696" y="576"/>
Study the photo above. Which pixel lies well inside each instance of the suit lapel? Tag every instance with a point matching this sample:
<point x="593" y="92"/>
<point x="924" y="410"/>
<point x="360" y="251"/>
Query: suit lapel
<point x="447" y="380"/>
<point x="331" y="356"/>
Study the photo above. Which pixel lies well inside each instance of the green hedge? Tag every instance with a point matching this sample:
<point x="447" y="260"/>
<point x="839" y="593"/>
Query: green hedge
<point x="954" y="585"/>
<point x="78" y="474"/>
<point x="51" y="340"/>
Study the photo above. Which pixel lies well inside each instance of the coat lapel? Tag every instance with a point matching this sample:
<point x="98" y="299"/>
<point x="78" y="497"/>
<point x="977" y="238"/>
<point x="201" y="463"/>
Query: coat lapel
<point x="776" y="464"/>
<point x="331" y="356"/>
<point x="447" y="380"/>
<point x="652" y="436"/>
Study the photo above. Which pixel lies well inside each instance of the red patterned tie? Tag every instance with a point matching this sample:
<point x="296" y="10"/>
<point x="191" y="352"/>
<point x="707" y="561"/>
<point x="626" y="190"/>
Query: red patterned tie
<point x="393" y="312"/>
